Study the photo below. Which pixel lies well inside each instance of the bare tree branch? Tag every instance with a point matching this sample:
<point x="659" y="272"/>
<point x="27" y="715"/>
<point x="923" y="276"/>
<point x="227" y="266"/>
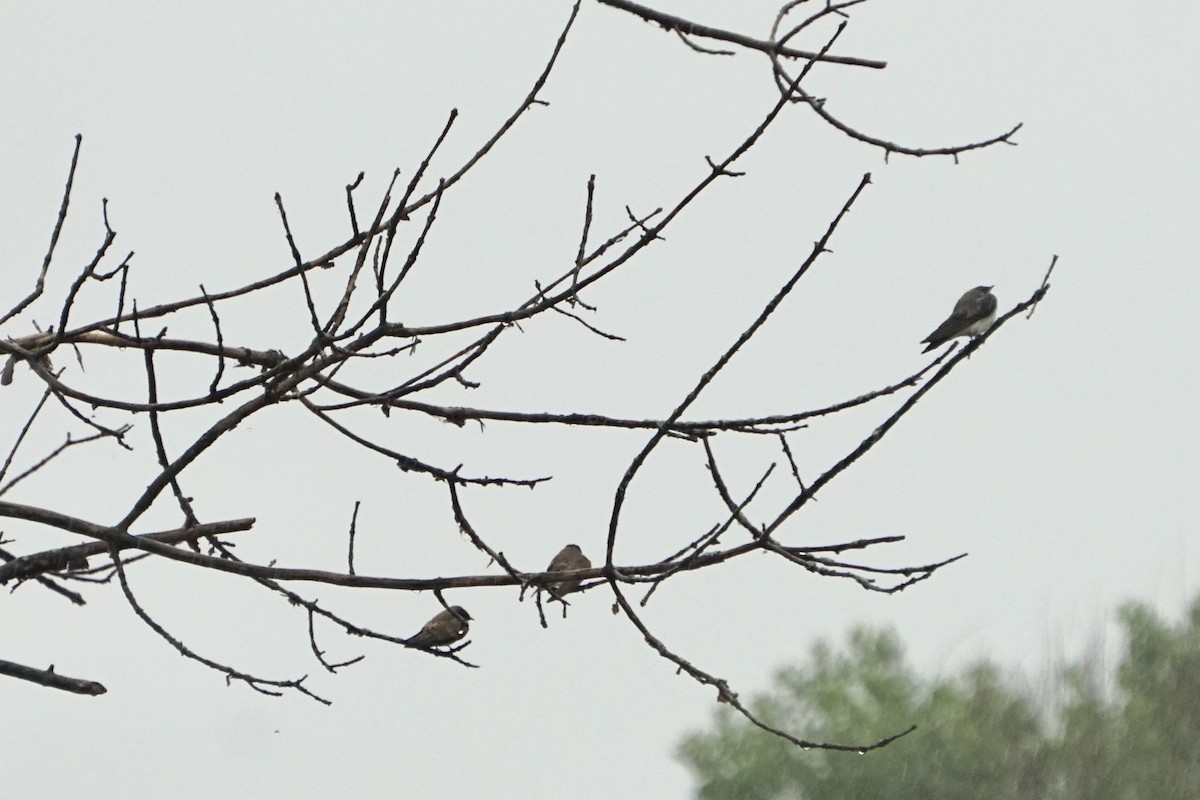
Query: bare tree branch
<point x="688" y="28"/>
<point x="356" y="354"/>
<point x="50" y="678"/>
<point x="40" y="286"/>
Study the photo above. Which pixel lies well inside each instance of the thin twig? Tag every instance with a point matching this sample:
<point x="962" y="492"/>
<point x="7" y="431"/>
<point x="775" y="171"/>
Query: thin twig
<point x="40" y="286"/>
<point x="51" y="679"/>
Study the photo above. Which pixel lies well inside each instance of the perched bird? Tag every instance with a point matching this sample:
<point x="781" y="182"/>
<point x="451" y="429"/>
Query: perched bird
<point x="446" y="627"/>
<point x="569" y="558"/>
<point x="973" y="314"/>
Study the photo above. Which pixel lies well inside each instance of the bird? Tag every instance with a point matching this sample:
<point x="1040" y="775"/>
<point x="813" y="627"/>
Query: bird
<point x="973" y="314"/>
<point x="446" y="627"/>
<point x="569" y="558"/>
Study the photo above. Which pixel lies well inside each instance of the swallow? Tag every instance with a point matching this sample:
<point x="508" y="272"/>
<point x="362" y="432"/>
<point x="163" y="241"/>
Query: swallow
<point x="446" y="627"/>
<point x="568" y="559"/>
<point x="973" y="314"/>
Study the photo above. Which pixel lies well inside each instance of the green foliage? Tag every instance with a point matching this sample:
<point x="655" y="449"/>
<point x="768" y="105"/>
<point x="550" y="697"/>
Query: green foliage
<point x="1160" y="682"/>
<point x="981" y="736"/>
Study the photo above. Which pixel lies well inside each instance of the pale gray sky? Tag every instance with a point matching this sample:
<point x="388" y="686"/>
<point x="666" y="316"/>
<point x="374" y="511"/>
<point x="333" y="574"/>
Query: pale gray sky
<point x="1062" y="457"/>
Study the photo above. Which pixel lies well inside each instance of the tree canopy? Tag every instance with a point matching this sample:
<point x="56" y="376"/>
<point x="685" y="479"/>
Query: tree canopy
<point x="1127" y="733"/>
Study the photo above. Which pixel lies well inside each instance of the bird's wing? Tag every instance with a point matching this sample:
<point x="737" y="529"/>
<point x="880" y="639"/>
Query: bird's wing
<point x="974" y="305"/>
<point x="971" y="307"/>
<point x="566" y="562"/>
<point x="433" y="630"/>
<point x="953" y="324"/>
<point x="419" y="639"/>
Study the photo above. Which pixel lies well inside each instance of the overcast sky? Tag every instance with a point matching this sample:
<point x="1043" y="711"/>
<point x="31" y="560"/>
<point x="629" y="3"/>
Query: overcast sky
<point x="1062" y="457"/>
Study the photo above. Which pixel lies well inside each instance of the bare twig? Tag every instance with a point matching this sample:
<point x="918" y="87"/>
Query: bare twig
<point x="262" y="685"/>
<point x="64" y="558"/>
<point x="818" y="248"/>
<point x="1045" y="286"/>
<point x="353" y="531"/>
<point x="50" y="678"/>
<point x="684" y="26"/>
<point x="40" y="286"/>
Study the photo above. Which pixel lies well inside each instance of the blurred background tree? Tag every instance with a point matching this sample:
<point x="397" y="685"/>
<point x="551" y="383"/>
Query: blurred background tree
<point x="1128" y="734"/>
